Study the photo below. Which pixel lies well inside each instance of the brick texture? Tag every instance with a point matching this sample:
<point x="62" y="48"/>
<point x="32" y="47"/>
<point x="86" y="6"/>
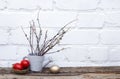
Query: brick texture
<point x="93" y="40"/>
<point x="4" y="35"/>
<point x="3" y="4"/>
<point x="110" y="37"/>
<point x="81" y="37"/>
<point x="103" y="54"/>
<point x="59" y="18"/>
<point x="91" y="20"/>
<point x="109" y="4"/>
<point x="29" y="4"/>
<point x="15" y="19"/>
<point x="76" y="4"/>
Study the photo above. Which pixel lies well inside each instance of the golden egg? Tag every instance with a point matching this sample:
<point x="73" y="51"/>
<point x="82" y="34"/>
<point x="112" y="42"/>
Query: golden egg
<point x="54" y="69"/>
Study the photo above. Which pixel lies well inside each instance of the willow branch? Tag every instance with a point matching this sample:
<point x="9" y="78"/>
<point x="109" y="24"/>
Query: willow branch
<point x="56" y="51"/>
<point x="39" y="25"/>
<point x="31" y="46"/>
<point x="37" y="38"/>
<point x="44" y="44"/>
<point x="56" y="39"/>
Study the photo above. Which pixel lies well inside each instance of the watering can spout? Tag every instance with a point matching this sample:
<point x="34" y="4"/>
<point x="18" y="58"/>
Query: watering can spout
<point x="45" y="63"/>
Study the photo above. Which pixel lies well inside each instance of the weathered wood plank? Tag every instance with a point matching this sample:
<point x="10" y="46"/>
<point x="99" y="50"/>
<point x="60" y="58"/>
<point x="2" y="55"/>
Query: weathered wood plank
<point x="69" y="71"/>
<point x="83" y="76"/>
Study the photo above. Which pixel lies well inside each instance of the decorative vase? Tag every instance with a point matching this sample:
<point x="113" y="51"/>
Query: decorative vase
<point x="36" y="63"/>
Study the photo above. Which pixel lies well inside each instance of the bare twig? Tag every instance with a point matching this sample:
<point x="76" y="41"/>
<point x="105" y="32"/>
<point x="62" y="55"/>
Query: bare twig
<point x="40" y="29"/>
<point x="31" y="46"/>
<point x="44" y="44"/>
<point x="56" y="39"/>
<point x="43" y="48"/>
<point x="56" y="51"/>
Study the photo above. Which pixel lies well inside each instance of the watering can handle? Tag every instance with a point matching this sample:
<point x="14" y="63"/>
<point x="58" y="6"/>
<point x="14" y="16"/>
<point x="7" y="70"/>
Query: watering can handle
<point x="25" y="57"/>
<point x="46" y="63"/>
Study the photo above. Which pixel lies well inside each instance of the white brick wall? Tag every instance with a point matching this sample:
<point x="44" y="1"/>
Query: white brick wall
<point x="94" y="39"/>
<point x="3" y="4"/>
<point x="90" y="20"/>
<point x="111" y="37"/>
<point x="76" y="4"/>
<point x="109" y="4"/>
<point x="29" y="4"/>
<point x="85" y="37"/>
<point x="101" y="57"/>
<point x="59" y="18"/>
<point x="15" y="18"/>
<point x="112" y="19"/>
<point x="4" y="36"/>
<point x="114" y="54"/>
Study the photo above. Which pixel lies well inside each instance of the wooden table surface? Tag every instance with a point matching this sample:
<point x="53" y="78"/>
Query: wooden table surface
<point x="82" y="76"/>
<point x="67" y="73"/>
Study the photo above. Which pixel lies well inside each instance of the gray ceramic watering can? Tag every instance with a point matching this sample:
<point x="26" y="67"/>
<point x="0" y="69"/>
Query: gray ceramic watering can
<point x="37" y="63"/>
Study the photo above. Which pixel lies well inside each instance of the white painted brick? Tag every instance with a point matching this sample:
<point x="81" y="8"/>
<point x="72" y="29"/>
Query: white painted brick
<point x="29" y="4"/>
<point x="4" y="63"/>
<point x="15" y="19"/>
<point x="112" y="19"/>
<point x="72" y="64"/>
<point x="76" y="54"/>
<point x="83" y="64"/>
<point x="4" y="36"/>
<point x="17" y="37"/>
<point x="47" y="18"/>
<point x="3" y="4"/>
<point x="110" y="4"/>
<point x="90" y="20"/>
<point x="113" y="63"/>
<point x="76" y="4"/>
<point x="22" y="51"/>
<point x="98" y="54"/>
<point x="81" y="37"/>
<point x="71" y="54"/>
<point x="8" y="63"/>
<point x="56" y="18"/>
<point x="114" y="54"/>
<point x="8" y="52"/>
<point x="15" y="13"/>
<point x="111" y="37"/>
